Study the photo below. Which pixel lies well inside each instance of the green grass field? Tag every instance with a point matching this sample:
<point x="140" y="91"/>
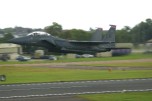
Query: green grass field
<point x="43" y="74"/>
<point x="37" y="74"/>
<point x="129" y="96"/>
<point x="124" y="64"/>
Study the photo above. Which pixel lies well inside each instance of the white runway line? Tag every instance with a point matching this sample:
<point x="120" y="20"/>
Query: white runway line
<point x="120" y="91"/>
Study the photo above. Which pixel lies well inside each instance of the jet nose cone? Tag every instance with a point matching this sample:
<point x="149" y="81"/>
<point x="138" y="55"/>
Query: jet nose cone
<point x="21" y="40"/>
<point x="17" y="40"/>
<point x="12" y="40"/>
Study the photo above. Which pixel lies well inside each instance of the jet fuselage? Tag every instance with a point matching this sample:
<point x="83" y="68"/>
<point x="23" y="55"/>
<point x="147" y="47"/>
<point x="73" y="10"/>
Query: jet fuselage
<point x="55" y="44"/>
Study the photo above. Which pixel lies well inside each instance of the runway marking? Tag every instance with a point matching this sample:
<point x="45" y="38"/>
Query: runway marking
<point x="44" y="88"/>
<point x="75" y="82"/>
<point x="44" y="95"/>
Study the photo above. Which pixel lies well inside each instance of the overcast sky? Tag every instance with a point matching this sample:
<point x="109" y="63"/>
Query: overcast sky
<point x="79" y="14"/>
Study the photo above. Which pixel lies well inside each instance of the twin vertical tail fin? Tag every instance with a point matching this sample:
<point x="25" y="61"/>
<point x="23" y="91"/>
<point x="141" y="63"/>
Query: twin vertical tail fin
<point x="97" y="36"/>
<point x="108" y="37"/>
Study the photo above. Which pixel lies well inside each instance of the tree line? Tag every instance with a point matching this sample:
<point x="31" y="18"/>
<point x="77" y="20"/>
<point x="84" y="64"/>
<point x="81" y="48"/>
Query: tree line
<point x="140" y="33"/>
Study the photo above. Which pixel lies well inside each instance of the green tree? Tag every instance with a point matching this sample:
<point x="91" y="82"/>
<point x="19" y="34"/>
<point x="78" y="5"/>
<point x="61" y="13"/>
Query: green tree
<point x="142" y="31"/>
<point x="6" y="37"/>
<point x="55" y="29"/>
<point x="76" y="34"/>
<point x="124" y="35"/>
<point x="8" y="30"/>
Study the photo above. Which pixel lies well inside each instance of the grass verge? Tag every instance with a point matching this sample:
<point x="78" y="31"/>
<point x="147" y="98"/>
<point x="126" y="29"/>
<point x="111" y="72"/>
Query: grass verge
<point x="30" y="75"/>
<point x="123" y="64"/>
<point x="128" y="96"/>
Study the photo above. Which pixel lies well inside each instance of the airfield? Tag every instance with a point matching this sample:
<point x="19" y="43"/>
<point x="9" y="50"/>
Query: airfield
<point x="74" y="80"/>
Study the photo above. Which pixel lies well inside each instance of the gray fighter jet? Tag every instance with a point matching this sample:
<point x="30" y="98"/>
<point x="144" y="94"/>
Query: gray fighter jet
<point x="99" y="42"/>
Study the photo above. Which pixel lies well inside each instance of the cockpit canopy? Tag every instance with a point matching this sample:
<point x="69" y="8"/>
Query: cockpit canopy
<point x="38" y="33"/>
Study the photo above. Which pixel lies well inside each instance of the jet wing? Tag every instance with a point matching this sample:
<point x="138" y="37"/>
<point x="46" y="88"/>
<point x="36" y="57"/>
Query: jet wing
<point x="88" y="42"/>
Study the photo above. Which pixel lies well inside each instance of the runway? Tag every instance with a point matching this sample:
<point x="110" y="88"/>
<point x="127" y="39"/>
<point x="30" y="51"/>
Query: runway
<point x="73" y="88"/>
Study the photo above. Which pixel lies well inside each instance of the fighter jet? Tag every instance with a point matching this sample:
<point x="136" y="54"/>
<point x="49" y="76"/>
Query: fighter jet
<point x="98" y="42"/>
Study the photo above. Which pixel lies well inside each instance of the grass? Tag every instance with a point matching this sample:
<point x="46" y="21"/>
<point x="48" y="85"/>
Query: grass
<point x="41" y="74"/>
<point x="30" y="75"/>
<point x="126" y="57"/>
<point x="124" y="64"/>
<point x="129" y="96"/>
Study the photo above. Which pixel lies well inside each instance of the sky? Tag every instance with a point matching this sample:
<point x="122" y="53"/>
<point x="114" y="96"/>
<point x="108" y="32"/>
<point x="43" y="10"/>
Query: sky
<point x="79" y="14"/>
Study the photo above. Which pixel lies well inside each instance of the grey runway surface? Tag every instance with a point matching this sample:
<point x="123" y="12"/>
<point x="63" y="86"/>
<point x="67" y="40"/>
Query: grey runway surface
<point x="45" y="90"/>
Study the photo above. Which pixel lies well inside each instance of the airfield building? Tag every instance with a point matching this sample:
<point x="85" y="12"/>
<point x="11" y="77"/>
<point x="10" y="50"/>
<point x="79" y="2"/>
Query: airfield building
<point x="12" y="50"/>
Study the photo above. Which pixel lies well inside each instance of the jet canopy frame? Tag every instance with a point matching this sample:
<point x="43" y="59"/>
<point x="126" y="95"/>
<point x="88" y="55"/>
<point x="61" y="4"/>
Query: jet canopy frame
<point x="38" y="33"/>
